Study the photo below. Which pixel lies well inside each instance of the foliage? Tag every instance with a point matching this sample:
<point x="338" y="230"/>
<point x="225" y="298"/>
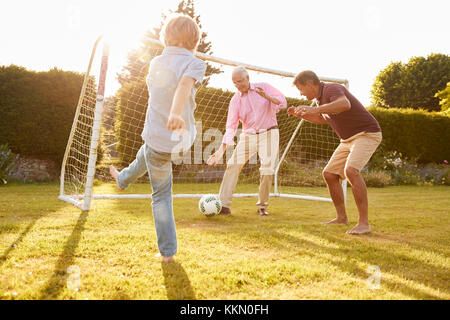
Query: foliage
<point x="376" y="179"/>
<point x="139" y="59"/>
<point x="132" y="97"/>
<point x="6" y="162"/>
<point x="444" y="96"/>
<point x="416" y="134"/>
<point x="294" y="173"/>
<point x="405" y="171"/>
<point x="131" y="108"/>
<point x="37" y="110"/>
<point x="412" y="85"/>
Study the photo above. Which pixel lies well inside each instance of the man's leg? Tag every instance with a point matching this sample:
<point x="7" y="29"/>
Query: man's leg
<point x="268" y="148"/>
<point x="333" y="173"/>
<point x="265" y="183"/>
<point x="337" y="195"/>
<point x="361" y="150"/>
<point x="228" y="184"/>
<point x="245" y="149"/>
<point x="360" y="193"/>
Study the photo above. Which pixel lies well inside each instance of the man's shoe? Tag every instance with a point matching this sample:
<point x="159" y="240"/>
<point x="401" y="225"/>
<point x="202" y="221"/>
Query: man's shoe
<point x="263" y="212"/>
<point x="225" y="210"/>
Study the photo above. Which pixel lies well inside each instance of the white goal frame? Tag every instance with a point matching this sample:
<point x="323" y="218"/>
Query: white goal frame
<point x="83" y="202"/>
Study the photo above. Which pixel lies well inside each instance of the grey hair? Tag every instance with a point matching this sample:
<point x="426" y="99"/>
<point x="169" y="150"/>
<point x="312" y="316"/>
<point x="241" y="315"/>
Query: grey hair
<point x="240" y="69"/>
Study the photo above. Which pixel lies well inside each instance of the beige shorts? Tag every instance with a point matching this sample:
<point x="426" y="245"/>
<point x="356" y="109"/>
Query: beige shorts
<point x="353" y="152"/>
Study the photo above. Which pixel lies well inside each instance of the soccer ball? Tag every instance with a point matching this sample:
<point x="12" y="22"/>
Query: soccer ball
<point x="209" y="205"/>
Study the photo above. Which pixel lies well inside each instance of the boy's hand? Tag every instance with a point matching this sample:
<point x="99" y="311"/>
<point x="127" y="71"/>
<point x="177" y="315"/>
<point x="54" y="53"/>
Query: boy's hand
<point x="175" y="122"/>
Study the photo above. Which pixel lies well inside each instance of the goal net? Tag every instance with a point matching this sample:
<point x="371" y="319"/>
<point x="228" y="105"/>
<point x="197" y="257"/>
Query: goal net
<point x="107" y="130"/>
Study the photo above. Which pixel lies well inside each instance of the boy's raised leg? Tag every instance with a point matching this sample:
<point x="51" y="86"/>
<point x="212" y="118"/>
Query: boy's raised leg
<point x="115" y="174"/>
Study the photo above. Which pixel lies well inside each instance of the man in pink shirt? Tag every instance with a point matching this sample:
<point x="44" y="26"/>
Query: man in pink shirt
<point x="256" y="105"/>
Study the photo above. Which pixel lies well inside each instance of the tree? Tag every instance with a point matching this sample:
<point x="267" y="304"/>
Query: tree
<point x="132" y="97"/>
<point x="138" y="59"/>
<point x="412" y="85"/>
<point x="387" y="89"/>
<point x="444" y="96"/>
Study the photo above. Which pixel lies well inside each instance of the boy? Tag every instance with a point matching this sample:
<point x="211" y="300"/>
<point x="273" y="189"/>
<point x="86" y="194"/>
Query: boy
<point x="172" y="81"/>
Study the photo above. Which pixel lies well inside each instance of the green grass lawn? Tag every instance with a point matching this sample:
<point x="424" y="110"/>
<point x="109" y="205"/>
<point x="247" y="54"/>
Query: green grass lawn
<point x="287" y="255"/>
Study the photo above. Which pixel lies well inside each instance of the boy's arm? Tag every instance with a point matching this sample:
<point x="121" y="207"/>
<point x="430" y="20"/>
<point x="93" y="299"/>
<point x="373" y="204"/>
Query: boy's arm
<point x="182" y="93"/>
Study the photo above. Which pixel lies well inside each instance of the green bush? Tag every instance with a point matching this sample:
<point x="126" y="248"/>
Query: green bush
<point x="132" y="100"/>
<point x="377" y="179"/>
<point x="412" y="85"/>
<point x="445" y="178"/>
<point x="37" y="110"/>
<point x="416" y="134"/>
<point x="404" y="171"/>
<point x="6" y="162"/>
<point x="444" y="97"/>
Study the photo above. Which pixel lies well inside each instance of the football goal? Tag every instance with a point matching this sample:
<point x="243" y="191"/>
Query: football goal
<point x="107" y="130"/>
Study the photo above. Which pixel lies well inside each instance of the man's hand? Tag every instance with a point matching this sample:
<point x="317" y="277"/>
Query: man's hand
<point x="302" y="111"/>
<point x="261" y="92"/>
<point x="175" y="122"/>
<point x="291" y="111"/>
<point x="215" y="158"/>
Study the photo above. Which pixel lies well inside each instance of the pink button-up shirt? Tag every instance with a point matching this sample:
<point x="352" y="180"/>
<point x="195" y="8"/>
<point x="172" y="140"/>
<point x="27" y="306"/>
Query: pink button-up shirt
<point x="255" y="112"/>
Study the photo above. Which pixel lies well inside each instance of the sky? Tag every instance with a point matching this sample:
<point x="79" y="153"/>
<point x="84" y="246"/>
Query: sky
<point x="346" y="39"/>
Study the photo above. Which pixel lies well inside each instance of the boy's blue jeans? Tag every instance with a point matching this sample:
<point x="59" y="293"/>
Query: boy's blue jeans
<point x="159" y="168"/>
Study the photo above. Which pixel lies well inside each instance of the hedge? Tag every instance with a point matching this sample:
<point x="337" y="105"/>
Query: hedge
<point x="37" y="110"/>
<point x="417" y="134"/>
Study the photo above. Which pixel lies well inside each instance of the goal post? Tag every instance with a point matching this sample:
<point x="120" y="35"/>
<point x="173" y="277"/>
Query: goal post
<point x="106" y="130"/>
<point x="83" y="201"/>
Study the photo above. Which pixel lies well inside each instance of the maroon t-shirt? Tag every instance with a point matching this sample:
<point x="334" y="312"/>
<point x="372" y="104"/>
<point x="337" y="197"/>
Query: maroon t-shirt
<point x="350" y="122"/>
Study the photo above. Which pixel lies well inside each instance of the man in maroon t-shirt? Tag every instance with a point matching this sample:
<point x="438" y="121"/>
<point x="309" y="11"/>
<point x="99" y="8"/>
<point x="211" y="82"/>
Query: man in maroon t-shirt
<point x="360" y="136"/>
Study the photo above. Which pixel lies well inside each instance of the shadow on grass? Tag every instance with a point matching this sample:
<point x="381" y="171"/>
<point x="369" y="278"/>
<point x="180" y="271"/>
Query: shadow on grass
<point x="35" y="218"/>
<point x="344" y="252"/>
<point x="13" y="245"/>
<point x="389" y="262"/>
<point x="177" y="282"/>
<point x="399" y="265"/>
<point x="57" y="281"/>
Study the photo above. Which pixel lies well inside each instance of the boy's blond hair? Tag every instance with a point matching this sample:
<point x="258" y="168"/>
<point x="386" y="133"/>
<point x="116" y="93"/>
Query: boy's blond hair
<point x="181" y="30"/>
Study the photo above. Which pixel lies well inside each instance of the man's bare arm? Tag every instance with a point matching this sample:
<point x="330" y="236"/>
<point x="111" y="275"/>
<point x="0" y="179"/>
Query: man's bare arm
<point x="339" y="105"/>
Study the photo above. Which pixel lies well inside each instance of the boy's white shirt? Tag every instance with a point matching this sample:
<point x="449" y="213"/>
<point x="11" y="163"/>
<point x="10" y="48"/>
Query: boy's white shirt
<point x="165" y="73"/>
